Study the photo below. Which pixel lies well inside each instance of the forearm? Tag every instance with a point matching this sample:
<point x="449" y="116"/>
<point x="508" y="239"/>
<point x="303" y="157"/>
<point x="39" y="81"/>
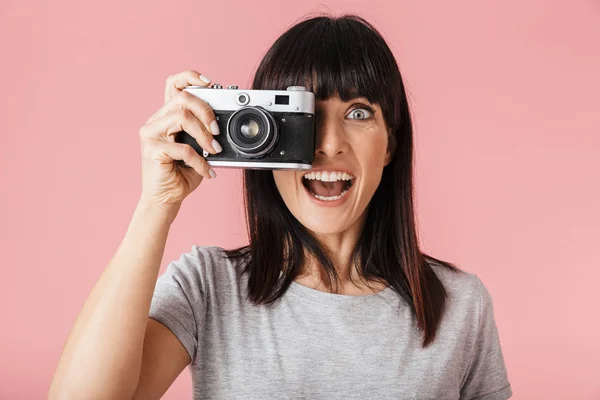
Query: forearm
<point x="102" y="357"/>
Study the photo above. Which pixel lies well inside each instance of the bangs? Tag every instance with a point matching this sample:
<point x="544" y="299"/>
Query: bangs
<point x="344" y="57"/>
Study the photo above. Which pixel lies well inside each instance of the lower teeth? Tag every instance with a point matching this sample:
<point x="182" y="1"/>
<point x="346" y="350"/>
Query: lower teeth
<point x="330" y="198"/>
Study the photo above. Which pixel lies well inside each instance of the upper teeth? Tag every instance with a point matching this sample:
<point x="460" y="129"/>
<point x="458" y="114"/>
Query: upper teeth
<point x="327" y="176"/>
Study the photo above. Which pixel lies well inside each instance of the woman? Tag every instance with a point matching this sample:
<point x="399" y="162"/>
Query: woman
<point x="332" y="298"/>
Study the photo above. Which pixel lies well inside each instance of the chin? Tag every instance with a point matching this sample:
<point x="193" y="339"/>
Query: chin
<point x="325" y="226"/>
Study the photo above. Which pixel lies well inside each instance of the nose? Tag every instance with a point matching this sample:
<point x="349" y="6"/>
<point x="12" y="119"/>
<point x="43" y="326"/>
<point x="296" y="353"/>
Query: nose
<point x="331" y="139"/>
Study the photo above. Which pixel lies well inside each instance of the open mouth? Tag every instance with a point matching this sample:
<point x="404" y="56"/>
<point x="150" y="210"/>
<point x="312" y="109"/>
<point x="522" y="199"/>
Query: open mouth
<point x="328" y="185"/>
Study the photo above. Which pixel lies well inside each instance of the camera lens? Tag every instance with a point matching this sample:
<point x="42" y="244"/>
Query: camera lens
<point x="252" y="131"/>
<point x="249" y="128"/>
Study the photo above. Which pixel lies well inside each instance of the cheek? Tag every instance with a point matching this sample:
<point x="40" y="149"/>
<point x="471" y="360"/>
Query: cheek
<point x="285" y="182"/>
<point x="371" y="155"/>
<point x="371" y="151"/>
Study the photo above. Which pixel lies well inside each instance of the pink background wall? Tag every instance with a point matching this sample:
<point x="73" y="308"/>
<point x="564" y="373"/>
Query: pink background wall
<point x="506" y="100"/>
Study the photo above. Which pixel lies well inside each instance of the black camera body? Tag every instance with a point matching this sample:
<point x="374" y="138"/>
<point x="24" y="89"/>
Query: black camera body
<point x="259" y="129"/>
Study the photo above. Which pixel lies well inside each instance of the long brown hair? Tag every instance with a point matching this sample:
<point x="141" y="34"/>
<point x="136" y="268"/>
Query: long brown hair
<point x="348" y="57"/>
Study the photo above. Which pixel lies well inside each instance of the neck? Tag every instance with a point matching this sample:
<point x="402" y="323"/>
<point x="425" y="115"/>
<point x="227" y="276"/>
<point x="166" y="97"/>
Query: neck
<point x="340" y="246"/>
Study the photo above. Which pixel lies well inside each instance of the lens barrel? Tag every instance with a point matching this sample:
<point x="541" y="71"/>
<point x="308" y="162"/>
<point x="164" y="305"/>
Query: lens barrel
<point x="252" y="131"/>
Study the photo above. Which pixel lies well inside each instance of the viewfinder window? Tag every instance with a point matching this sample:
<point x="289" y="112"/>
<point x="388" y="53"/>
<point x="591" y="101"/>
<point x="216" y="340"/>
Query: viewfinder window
<point x="282" y="99"/>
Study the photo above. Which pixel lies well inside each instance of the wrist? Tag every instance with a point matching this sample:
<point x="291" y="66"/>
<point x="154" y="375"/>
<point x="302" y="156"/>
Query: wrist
<point x="161" y="211"/>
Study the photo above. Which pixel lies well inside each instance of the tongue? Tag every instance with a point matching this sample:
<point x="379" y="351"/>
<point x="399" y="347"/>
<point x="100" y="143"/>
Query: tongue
<point x="326" y="189"/>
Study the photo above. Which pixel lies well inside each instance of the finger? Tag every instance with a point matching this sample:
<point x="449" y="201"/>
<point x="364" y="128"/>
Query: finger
<point x="178" y="120"/>
<point x="176" y="83"/>
<point x="197" y="106"/>
<point x="167" y="152"/>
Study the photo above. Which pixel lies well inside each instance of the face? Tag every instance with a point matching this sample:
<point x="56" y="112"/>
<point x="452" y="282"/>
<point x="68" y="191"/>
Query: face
<point x="351" y="152"/>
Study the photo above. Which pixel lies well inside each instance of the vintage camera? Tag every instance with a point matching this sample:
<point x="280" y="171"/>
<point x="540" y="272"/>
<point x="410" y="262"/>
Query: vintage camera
<point x="259" y="129"/>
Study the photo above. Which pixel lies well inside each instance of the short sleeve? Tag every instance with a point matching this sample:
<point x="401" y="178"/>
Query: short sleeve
<point x="178" y="302"/>
<point x="486" y="377"/>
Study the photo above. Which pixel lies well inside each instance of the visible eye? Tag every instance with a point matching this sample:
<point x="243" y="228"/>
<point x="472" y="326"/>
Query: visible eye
<point x="360" y="114"/>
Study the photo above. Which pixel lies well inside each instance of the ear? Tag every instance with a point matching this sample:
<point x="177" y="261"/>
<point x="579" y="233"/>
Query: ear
<point x="391" y="147"/>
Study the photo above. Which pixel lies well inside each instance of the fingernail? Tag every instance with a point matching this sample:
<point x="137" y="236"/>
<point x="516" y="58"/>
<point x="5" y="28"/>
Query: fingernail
<point x="214" y="128"/>
<point x="205" y="79"/>
<point x="212" y="173"/>
<point x="216" y="146"/>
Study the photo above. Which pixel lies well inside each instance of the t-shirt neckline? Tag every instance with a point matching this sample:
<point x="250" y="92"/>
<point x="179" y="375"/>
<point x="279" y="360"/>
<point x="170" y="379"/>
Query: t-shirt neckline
<point x="340" y="299"/>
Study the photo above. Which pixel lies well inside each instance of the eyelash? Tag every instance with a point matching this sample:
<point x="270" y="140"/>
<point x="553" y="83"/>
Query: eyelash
<point x="359" y="106"/>
<point x="365" y="108"/>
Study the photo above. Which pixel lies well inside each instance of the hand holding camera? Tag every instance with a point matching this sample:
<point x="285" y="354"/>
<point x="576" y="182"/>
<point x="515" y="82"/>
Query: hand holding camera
<point x="262" y="129"/>
<point x="163" y="182"/>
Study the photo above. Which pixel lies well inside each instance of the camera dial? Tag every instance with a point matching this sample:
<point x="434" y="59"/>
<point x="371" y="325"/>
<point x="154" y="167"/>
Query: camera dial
<point x="242" y="99"/>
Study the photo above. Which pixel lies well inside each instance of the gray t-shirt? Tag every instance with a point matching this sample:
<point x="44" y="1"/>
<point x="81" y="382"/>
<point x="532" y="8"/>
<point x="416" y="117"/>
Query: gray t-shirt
<point x="317" y="345"/>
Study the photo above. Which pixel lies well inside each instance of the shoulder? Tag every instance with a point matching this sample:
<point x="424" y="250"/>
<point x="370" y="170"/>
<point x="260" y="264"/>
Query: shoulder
<point x="203" y="254"/>
<point x="207" y="268"/>
<point x="456" y="282"/>
<point x="204" y="261"/>
<point x="469" y="322"/>
<point x="467" y="294"/>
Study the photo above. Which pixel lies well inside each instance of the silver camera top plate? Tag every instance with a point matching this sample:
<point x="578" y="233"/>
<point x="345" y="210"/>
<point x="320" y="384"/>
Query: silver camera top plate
<point x="292" y="100"/>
